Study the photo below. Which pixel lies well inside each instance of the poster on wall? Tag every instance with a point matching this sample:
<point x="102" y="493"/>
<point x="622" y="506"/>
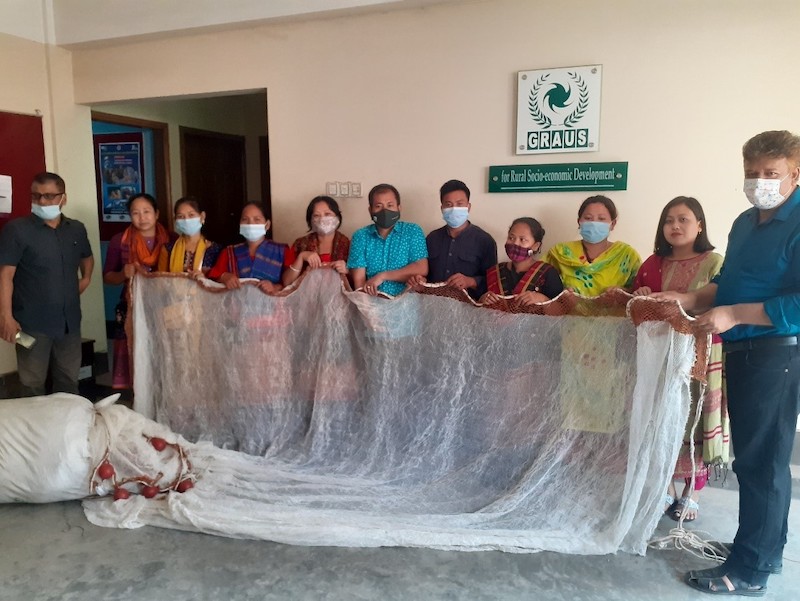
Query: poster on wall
<point x="5" y="194"/>
<point x="120" y="170"/>
<point x="558" y="110"/>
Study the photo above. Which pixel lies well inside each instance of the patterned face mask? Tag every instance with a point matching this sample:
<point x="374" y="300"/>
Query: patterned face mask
<point x="764" y="193"/>
<point x="325" y="225"/>
<point x="517" y="253"/>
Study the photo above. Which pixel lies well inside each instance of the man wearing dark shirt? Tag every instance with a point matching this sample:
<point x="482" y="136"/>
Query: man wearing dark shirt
<point x="459" y="253"/>
<point x="40" y="257"/>
<point x="754" y="304"/>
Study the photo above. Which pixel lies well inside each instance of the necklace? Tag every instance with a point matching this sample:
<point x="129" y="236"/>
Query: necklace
<point x="588" y="255"/>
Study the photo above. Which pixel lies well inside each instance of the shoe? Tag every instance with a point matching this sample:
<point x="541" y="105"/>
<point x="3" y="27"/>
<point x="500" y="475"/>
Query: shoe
<point x="726" y="584"/>
<point x="681" y="505"/>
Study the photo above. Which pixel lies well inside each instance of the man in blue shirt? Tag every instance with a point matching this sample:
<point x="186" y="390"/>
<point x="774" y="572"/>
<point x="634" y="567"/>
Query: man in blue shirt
<point x="459" y="253"/>
<point x="756" y="310"/>
<point x="385" y="255"/>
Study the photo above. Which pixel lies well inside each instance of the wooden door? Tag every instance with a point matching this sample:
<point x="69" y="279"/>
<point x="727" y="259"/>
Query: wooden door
<point x="214" y="171"/>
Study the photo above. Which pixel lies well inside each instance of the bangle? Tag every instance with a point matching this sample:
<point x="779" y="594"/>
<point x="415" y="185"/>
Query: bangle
<point x="294" y="269"/>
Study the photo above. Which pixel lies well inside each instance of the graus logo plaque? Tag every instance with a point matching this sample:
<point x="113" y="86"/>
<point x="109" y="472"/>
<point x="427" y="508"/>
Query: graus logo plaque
<point x="558" y="110"/>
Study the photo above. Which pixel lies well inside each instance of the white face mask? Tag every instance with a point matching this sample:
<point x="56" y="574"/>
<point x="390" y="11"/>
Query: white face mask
<point x="325" y="225"/>
<point x="252" y="231"/>
<point x="763" y="193"/>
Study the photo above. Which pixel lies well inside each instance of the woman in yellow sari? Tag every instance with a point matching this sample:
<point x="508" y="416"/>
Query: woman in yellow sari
<point x="191" y="253"/>
<point x="593" y="264"/>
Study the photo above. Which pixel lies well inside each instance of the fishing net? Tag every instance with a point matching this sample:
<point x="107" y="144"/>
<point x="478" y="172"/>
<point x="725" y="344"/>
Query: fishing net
<point x="422" y="420"/>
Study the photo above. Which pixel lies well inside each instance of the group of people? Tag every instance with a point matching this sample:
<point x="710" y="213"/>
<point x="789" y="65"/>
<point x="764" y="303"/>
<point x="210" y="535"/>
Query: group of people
<point x="749" y="302"/>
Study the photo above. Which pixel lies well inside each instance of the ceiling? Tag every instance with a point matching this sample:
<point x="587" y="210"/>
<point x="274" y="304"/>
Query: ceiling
<point x="76" y="23"/>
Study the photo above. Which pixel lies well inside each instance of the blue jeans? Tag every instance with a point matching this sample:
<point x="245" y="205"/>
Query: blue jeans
<point x="763" y="387"/>
<point x="63" y="353"/>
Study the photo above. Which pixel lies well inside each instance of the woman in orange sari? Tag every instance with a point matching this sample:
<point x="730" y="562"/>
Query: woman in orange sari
<point x="136" y="249"/>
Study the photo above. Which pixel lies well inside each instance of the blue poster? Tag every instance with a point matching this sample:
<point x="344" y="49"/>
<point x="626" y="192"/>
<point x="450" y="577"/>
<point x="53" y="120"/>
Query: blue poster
<point x="120" y="168"/>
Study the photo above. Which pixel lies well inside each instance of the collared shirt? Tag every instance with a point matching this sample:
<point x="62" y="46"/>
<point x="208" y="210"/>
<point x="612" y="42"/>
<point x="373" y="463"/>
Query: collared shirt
<point x="762" y="265"/>
<point x="404" y="244"/>
<point x="46" y="299"/>
<point x="472" y="253"/>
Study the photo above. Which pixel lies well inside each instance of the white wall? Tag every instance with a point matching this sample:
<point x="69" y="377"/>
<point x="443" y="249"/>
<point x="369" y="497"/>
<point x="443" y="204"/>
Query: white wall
<point x="420" y="96"/>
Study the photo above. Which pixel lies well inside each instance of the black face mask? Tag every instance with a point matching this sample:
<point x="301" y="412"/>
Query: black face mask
<point x="385" y="218"/>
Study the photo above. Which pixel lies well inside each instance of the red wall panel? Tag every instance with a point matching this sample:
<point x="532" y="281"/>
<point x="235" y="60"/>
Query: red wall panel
<point x="21" y="157"/>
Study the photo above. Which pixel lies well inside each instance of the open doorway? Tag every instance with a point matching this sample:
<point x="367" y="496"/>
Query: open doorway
<point x="237" y="116"/>
<point x="216" y="118"/>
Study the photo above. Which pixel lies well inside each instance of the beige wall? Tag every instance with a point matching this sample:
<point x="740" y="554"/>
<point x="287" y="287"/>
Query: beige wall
<point x="242" y="115"/>
<point x="37" y="78"/>
<point x="419" y="96"/>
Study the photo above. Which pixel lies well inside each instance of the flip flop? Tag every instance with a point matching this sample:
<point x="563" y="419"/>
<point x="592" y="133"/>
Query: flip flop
<point x="670" y="501"/>
<point x="727" y="584"/>
<point x="682" y="504"/>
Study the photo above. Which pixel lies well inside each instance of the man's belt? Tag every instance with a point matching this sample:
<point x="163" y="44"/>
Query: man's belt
<point x="752" y="344"/>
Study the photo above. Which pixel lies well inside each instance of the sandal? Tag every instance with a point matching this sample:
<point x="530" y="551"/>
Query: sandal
<point x="727" y="584"/>
<point x="682" y="505"/>
<point x="775" y="568"/>
<point x="669" y="501"/>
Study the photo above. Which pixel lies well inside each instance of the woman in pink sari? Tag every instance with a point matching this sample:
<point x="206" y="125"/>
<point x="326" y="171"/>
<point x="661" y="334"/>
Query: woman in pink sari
<point x="683" y="260"/>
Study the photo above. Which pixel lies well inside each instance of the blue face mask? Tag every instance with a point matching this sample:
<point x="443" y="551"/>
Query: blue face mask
<point x="188" y="227"/>
<point x="455" y="216"/>
<point x="595" y="231"/>
<point x="46" y="212"/>
<point x="252" y="231"/>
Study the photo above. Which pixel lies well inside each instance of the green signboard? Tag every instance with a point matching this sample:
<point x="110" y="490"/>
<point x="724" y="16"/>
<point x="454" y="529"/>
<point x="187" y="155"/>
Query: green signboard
<point x="560" y="177"/>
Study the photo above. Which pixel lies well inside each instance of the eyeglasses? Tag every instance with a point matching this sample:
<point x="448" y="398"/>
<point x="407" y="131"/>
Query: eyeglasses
<point x="49" y="197"/>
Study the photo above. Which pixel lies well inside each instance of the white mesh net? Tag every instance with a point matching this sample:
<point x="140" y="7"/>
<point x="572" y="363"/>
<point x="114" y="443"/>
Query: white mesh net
<point x="418" y="421"/>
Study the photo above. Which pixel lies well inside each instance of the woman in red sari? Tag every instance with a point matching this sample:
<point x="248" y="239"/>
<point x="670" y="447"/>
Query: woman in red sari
<point x="525" y="277"/>
<point x="257" y="258"/>
<point x="323" y="244"/>
<point x="136" y="249"/>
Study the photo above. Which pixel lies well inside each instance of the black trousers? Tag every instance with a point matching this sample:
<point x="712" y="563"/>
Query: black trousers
<point x="763" y="387"/>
